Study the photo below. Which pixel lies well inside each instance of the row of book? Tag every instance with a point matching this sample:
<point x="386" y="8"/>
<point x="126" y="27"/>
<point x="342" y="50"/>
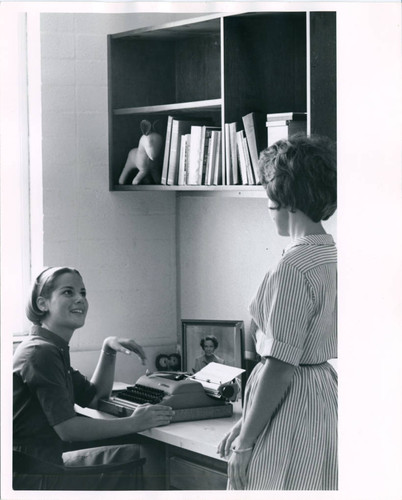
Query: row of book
<point x="193" y="152"/>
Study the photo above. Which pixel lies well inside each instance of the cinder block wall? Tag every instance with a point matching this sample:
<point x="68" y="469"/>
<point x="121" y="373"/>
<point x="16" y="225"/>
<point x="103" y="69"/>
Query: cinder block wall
<point x="122" y="243"/>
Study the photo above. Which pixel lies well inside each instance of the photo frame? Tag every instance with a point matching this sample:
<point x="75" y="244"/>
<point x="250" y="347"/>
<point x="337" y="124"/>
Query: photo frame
<point x="229" y="335"/>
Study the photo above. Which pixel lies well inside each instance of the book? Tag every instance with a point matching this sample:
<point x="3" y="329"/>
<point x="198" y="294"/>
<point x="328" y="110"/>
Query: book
<point x="250" y="174"/>
<point x="284" y="125"/>
<point x="194" y="155"/>
<point x="217" y="180"/>
<point x="242" y="158"/>
<point x="254" y="128"/>
<point x="288" y="115"/>
<point x="208" y="162"/>
<point x="179" y="128"/>
<point x="276" y="132"/>
<point x="165" y="163"/>
<point x="205" y="136"/>
<point x="211" y="160"/>
<point x="233" y="153"/>
<point x="228" y="162"/>
<point x="278" y="123"/>
<point x="183" y="161"/>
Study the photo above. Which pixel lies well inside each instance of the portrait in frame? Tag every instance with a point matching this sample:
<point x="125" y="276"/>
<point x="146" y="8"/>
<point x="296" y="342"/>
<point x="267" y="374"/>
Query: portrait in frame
<point x="223" y="339"/>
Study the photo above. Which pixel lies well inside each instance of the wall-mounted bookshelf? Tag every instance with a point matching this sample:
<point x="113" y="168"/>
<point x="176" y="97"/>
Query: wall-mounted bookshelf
<point x="216" y="70"/>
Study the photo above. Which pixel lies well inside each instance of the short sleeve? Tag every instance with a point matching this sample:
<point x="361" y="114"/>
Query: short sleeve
<point x="45" y="377"/>
<point x="281" y="310"/>
<point x="84" y="390"/>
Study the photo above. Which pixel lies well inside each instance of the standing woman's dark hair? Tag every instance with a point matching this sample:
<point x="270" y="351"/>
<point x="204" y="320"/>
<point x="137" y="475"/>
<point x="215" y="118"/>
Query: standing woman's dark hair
<point x="300" y="174"/>
<point x="43" y="287"/>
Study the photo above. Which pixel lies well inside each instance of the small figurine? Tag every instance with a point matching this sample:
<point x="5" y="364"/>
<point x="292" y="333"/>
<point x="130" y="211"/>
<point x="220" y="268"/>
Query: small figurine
<point x="145" y="160"/>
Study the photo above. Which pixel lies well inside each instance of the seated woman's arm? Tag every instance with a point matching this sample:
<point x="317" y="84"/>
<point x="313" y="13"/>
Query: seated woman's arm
<point x="103" y="376"/>
<point x="88" y="429"/>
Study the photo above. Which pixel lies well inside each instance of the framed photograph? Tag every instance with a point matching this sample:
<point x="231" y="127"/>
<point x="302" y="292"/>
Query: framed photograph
<point x="204" y="341"/>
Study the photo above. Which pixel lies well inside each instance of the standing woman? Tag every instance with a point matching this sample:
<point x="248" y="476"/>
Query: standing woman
<point x="287" y="436"/>
<point x="46" y="387"/>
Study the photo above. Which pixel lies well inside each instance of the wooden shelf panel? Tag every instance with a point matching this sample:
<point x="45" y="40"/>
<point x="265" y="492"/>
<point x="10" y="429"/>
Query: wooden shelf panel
<point x="233" y="191"/>
<point x="204" y="26"/>
<point x="187" y="107"/>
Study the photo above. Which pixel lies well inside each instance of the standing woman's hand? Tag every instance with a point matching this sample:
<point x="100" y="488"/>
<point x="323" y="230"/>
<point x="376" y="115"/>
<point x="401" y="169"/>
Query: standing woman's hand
<point x="225" y="445"/>
<point x="126" y="346"/>
<point x="237" y="468"/>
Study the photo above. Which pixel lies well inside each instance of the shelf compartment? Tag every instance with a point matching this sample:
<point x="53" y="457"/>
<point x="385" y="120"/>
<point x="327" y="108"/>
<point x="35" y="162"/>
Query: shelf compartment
<point x="265" y="63"/>
<point x="153" y="72"/>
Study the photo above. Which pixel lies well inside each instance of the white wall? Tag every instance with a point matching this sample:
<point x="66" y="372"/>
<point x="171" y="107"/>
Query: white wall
<point x="226" y="245"/>
<point x="122" y="243"/>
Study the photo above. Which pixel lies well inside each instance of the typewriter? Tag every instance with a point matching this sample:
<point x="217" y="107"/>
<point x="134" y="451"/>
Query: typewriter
<point x="187" y="397"/>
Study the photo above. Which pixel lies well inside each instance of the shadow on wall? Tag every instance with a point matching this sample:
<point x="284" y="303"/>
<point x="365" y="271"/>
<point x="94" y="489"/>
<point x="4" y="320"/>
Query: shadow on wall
<point x="128" y="367"/>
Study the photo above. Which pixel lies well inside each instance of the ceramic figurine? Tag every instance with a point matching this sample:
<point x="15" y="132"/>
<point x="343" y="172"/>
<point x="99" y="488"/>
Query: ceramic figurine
<point x="144" y="163"/>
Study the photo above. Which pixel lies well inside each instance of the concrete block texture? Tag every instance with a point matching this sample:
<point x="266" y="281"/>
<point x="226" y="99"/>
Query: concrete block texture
<point x="123" y="243"/>
<point x="58" y="45"/>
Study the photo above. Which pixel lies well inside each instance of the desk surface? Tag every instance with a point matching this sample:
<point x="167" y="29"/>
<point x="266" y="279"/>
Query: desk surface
<point x="199" y="436"/>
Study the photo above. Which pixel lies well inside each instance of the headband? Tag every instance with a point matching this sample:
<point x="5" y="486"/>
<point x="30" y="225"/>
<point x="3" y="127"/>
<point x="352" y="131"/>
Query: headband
<point x="43" y="277"/>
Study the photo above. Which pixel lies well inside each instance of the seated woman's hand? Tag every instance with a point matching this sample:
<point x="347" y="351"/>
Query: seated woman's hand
<point x="147" y="416"/>
<point x="126" y="346"/>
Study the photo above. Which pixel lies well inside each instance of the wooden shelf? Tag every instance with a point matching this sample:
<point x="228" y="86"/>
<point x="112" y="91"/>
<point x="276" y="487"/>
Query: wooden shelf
<point x="187" y="107"/>
<point x="204" y="25"/>
<point x="159" y="187"/>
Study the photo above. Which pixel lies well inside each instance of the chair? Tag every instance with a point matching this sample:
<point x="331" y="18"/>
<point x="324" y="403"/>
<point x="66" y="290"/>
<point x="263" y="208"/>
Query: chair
<point x="31" y="473"/>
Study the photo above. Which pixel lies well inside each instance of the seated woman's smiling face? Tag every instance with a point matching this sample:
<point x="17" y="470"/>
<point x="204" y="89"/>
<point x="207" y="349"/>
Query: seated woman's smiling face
<point x="67" y="306"/>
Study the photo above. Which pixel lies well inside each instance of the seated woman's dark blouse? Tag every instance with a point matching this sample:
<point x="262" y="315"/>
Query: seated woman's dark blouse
<point x="45" y="388"/>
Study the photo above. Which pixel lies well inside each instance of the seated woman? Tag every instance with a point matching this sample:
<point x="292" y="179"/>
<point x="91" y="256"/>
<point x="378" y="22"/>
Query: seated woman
<point x="46" y="387"/>
<point x="209" y="344"/>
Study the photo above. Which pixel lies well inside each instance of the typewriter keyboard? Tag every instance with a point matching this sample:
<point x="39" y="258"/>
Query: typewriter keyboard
<point x="141" y="394"/>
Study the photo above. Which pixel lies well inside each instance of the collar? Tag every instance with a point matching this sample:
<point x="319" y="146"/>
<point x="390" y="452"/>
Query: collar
<point x="51" y="337"/>
<point x="312" y="239"/>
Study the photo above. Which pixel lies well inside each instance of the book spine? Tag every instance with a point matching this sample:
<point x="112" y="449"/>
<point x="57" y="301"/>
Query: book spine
<point x="207" y="152"/>
<point x="183" y="159"/>
<point x="234" y="153"/>
<point x="211" y="158"/>
<point x="290" y="115"/>
<point x="165" y="164"/>
<point x="228" y="162"/>
<point x="218" y="161"/>
<point x="276" y="133"/>
<point x="249" y="129"/>
<point x="174" y="153"/>
<point x="206" y="135"/>
<point x="242" y="159"/>
<point x="195" y="154"/>
<point x="249" y="168"/>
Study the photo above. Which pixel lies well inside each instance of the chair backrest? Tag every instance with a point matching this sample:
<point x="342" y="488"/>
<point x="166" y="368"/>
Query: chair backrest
<point x="30" y="473"/>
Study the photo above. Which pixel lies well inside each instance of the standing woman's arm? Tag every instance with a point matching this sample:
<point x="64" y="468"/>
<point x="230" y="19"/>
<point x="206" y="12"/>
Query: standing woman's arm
<point x="275" y="379"/>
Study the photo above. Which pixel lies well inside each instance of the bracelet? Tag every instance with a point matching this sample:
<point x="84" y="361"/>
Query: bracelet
<point x="244" y="450"/>
<point x="109" y="353"/>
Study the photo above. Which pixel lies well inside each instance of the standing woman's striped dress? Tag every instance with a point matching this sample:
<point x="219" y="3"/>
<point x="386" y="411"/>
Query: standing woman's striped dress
<point x="296" y="311"/>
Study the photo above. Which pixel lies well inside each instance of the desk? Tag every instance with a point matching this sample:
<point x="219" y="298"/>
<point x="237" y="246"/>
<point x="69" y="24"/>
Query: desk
<point x="182" y="455"/>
